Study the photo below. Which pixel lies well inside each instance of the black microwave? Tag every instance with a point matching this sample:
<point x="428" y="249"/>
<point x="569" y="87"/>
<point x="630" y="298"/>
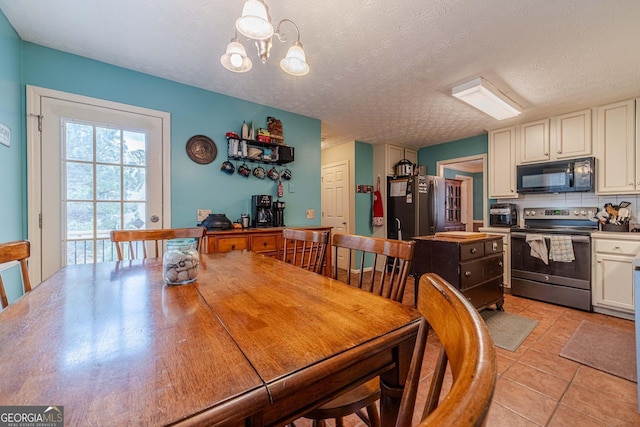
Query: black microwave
<point x="565" y="176"/>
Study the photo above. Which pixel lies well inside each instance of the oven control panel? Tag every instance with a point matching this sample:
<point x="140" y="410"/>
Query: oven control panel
<point x="560" y="213"/>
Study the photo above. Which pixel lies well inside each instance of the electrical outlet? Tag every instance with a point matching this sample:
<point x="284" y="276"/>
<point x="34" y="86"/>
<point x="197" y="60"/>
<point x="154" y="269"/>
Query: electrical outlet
<point x="203" y="213"/>
<point x="311" y="213"/>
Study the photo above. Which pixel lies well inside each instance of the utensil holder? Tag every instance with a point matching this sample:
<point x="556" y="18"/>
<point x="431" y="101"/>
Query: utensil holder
<point x="620" y="228"/>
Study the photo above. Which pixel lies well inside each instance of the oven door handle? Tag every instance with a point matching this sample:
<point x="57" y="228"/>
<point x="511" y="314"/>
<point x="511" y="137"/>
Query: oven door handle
<point x="579" y="239"/>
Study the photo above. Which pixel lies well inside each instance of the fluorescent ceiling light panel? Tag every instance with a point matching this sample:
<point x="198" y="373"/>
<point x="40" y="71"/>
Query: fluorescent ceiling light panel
<point x="481" y="94"/>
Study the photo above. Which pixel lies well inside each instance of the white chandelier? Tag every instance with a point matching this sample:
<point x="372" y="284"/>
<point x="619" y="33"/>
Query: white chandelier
<point x="255" y="23"/>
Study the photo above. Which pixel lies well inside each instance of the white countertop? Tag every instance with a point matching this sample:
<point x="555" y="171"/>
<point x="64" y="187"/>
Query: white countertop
<point x="616" y="236"/>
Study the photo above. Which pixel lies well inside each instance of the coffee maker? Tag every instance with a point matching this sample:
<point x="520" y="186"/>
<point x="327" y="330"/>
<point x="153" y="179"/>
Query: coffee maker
<point x="261" y="211"/>
<point x="278" y="213"/>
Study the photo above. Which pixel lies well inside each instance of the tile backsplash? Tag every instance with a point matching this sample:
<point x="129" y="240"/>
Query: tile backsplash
<point x="575" y="199"/>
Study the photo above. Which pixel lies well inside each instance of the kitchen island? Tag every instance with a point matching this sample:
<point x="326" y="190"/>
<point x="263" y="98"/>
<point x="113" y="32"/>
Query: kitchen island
<point x="471" y="262"/>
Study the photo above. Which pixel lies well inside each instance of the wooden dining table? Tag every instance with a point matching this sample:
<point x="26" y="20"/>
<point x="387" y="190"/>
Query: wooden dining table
<point x="253" y="341"/>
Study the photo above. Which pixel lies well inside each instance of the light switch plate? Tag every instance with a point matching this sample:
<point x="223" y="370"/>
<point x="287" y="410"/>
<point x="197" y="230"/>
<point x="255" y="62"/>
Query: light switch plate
<point x="292" y="188"/>
<point x="203" y="213"/>
<point x="311" y="213"/>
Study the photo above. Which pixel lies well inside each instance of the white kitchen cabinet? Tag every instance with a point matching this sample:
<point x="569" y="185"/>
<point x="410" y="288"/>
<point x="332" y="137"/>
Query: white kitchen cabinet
<point x="612" y="284"/>
<point x="617" y="149"/>
<point x="561" y="137"/>
<point x="506" y="251"/>
<point x="502" y="163"/>
<point x="534" y="141"/>
<point x="572" y="136"/>
<point x="395" y="153"/>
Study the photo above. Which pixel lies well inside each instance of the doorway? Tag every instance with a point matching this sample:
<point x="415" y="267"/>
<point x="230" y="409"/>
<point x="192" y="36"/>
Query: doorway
<point x="94" y="166"/>
<point x="476" y="164"/>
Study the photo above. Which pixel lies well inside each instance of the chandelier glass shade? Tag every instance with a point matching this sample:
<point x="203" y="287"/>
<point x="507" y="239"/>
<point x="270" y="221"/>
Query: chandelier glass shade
<point x="235" y="59"/>
<point x="255" y="24"/>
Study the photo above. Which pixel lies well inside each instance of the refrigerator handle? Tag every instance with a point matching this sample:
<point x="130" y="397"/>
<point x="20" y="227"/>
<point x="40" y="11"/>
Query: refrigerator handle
<point x="399" y="224"/>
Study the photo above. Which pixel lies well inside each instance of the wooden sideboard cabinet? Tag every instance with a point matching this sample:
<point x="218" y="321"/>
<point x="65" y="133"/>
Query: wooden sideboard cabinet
<point x="474" y="266"/>
<point x="267" y="241"/>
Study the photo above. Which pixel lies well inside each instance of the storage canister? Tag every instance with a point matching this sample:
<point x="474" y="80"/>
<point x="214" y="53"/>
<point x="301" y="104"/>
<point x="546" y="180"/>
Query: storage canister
<point x="180" y="261"/>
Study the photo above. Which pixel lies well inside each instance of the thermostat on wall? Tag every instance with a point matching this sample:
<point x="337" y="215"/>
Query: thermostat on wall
<point x="5" y="135"/>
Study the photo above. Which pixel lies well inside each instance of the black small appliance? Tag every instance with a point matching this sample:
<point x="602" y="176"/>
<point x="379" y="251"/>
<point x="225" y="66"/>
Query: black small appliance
<point x="261" y="210"/>
<point x="503" y="215"/>
<point x="278" y="213"/>
<point x="564" y="176"/>
<point x="216" y="222"/>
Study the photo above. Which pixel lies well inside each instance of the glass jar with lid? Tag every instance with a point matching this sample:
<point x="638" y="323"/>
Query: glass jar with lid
<point x="180" y="261"/>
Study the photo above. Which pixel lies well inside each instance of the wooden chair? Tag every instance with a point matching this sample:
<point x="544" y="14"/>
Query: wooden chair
<point x="18" y="252"/>
<point x="382" y="268"/>
<point x="305" y="248"/>
<point x="467" y="348"/>
<point x="136" y="241"/>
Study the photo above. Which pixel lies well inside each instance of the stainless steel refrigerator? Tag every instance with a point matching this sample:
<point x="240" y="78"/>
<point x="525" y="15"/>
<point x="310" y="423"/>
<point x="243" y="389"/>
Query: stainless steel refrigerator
<point x="415" y="206"/>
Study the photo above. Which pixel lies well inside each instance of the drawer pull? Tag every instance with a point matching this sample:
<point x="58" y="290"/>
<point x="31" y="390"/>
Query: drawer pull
<point x="264" y="244"/>
<point x="500" y="264"/>
<point x="474" y="250"/>
<point x="467" y="274"/>
<point x="233" y="247"/>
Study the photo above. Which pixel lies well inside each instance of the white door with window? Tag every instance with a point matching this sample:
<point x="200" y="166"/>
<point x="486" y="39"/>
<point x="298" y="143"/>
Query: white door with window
<point x="97" y="166"/>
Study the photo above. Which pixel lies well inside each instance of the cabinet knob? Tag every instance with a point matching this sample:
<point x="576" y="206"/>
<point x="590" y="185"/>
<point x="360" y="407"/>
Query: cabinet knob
<point x="599" y="262"/>
<point x="233" y="247"/>
<point x="473" y="250"/>
<point x="467" y="274"/>
<point x="546" y="153"/>
<point x="500" y="263"/>
<point x="264" y="243"/>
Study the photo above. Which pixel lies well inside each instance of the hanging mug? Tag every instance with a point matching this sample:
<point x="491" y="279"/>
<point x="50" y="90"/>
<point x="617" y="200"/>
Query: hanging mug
<point x="273" y="174"/>
<point x="286" y="174"/>
<point x="258" y="172"/>
<point x="244" y="170"/>
<point x="227" y="167"/>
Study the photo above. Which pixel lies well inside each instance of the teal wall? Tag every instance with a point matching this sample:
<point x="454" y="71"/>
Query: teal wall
<point x="472" y="146"/>
<point x="12" y="159"/>
<point x="429" y="156"/>
<point x="364" y="176"/>
<point x="477" y="189"/>
<point x="193" y="111"/>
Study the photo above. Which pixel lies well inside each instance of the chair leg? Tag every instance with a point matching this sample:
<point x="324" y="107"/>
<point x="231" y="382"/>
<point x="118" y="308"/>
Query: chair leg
<point x="374" y="418"/>
<point x="339" y="422"/>
<point x="318" y="423"/>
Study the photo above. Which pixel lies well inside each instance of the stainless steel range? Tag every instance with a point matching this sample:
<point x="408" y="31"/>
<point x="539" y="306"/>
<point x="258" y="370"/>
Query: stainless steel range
<point x="551" y="256"/>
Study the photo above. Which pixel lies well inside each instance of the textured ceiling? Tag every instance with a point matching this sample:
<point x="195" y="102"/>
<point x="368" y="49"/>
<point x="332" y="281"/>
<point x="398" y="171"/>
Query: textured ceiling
<point x="381" y="70"/>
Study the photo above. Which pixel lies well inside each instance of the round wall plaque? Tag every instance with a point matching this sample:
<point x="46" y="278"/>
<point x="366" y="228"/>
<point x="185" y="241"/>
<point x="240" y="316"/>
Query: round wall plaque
<point x="201" y="149"/>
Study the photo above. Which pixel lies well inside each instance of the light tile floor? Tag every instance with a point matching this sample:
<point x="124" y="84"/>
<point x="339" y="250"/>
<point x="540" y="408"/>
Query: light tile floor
<point x="537" y="387"/>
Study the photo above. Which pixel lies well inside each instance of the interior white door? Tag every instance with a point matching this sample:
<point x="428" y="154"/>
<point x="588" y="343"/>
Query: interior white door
<point x="335" y="201"/>
<point x="101" y="169"/>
